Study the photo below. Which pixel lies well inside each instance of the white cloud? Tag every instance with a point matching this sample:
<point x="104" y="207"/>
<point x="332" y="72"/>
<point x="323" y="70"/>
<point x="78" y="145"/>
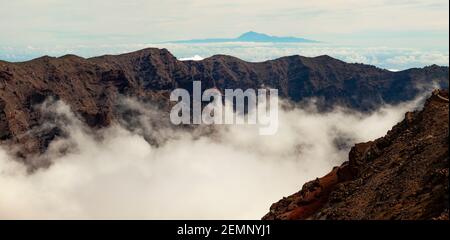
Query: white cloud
<point x="231" y="173"/>
<point x="194" y="58"/>
<point x="384" y="57"/>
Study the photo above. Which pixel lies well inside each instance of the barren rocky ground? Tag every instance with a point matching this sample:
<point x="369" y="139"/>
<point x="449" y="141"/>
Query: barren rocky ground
<point x="403" y="175"/>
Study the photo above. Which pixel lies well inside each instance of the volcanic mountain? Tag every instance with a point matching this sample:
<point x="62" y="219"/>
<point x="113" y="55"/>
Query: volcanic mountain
<point x="250" y="37"/>
<point x="92" y="86"/>
<point x="403" y="175"/>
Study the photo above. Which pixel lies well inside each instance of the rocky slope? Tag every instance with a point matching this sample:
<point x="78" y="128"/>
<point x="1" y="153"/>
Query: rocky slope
<point x="91" y="86"/>
<point x="403" y="175"/>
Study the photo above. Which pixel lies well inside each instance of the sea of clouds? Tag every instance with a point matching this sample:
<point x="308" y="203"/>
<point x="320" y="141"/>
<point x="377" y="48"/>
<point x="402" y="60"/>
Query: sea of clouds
<point x="229" y="173"/>
<point x="384" y="57"/>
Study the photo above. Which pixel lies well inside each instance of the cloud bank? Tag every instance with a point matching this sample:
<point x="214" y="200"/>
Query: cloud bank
<point x="384" y="57"/>
<point x="229" y="173"/>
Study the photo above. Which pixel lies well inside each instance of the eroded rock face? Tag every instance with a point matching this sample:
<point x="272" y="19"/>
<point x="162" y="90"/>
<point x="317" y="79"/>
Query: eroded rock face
<point x="403" y="175"/>
<point x="92" y="86"/>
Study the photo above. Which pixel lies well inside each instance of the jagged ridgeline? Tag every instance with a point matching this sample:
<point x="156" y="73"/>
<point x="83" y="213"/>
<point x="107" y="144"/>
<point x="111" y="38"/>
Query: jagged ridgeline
<point x="92" y="86"/>
<point x="402" y="176"/>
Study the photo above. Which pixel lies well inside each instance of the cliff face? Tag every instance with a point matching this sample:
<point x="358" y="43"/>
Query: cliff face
<point x="91" y="86"/>
<point x="403" y="175"/>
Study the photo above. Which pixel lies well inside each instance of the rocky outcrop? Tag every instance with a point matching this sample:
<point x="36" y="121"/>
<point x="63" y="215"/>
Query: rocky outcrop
<point x="403" y="175"/>
<point x="91" y="86"/>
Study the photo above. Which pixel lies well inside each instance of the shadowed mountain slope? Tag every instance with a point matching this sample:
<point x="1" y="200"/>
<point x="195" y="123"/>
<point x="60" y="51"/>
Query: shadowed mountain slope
<point x="91" y="86"/>
<point x="403" y="175"/>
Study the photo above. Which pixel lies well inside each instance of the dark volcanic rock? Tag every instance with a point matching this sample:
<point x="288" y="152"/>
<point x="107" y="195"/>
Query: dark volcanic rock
<point x="403" y="175"/>
<point x="91" y="86"/>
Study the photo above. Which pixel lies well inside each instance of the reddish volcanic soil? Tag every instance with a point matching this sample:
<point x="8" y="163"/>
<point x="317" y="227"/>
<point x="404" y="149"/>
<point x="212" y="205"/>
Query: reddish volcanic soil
<point x="403" y="175"/>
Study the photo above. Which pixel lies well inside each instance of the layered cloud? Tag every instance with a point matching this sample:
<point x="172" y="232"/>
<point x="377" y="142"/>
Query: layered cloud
<point x="228" y="173"/>
<point x="384" y="57"/>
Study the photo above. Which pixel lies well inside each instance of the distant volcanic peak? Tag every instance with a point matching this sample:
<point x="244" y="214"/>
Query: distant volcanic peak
<point x="250" y="36"/>
<point x="262" y="37"/>
<point x="254" y="36"/>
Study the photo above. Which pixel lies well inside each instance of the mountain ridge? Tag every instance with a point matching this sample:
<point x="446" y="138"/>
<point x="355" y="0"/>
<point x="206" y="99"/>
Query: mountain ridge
<point x="403" y="175"/>
<point x="91" y="86"/>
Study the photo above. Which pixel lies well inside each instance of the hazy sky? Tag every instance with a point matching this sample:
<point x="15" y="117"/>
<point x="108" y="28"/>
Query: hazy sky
<point x="64" y="22"/>
<point x="390" y="34"/>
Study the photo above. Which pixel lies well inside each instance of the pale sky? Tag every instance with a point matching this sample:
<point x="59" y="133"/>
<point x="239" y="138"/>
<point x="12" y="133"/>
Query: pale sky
<point x="29" y="25"/>
<point x="116" y="21"/>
